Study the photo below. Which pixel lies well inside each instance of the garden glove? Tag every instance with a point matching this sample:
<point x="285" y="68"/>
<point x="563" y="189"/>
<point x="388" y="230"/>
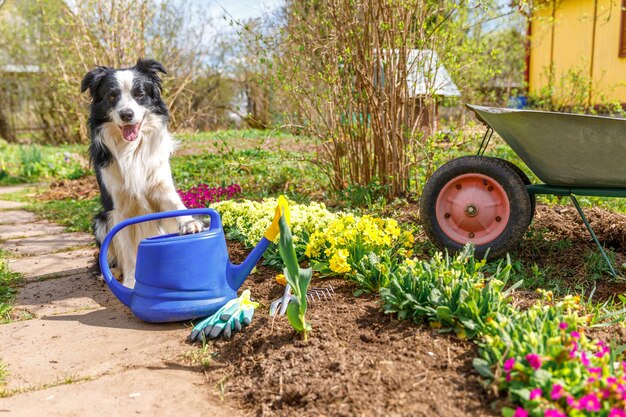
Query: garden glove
<point x="233" y="316"/>
<point x="282" y="207"/>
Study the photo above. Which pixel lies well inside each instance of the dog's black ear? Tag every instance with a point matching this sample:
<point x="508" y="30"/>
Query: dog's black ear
<point x="92" y="79"/>
<point x="150" y="66"/>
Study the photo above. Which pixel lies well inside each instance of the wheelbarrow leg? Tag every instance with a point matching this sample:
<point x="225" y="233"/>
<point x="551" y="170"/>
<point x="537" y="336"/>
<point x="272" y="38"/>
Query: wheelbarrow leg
<point x="593" y="235"/>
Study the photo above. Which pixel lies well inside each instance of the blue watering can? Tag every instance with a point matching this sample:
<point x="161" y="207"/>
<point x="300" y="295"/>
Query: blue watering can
<point x="180" y="277"/>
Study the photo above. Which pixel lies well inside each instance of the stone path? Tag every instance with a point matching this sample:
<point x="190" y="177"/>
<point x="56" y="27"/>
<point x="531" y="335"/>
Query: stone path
<point x="81" y="352"/>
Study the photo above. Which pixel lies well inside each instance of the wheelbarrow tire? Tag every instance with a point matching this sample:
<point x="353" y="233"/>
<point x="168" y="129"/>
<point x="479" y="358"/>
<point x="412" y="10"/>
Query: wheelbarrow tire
<point x="478" y="199"/>
<point x="524" y="177"/>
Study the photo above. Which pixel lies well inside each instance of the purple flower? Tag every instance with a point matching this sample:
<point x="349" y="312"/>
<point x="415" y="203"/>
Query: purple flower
<point x="562" y="325"/>
<point x="590" y="402"/>
<point x="508" y="364"/>
<point x="557" y="392"/>
<point x="535" y="393"/>
<point x="520" y="412"/>
<point x="575" y="334"/>
<point x="554" y="413"/>
<point x="534" y="360"/>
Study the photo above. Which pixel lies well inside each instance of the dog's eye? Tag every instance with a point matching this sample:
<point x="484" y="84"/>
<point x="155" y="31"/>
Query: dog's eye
<point x="138" y="96"/>
<point x="111" y="98"/>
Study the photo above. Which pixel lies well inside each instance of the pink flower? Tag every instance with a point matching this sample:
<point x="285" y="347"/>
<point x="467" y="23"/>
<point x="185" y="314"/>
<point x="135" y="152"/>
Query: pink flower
<point x="508" y="364"/>
<point x="596" y="371"/>
<point x="572" y="353"/>
<point x="554" y="413"/>
<point x="617" y="412"/>
<point x="603" y="349"/>
<point x="575" y="334"/>
<point x="535" y="393"/>
<point x="590" y="402"/>
<point x="534" y="360"/>
<point x="520" y="412"/>
<point x="584" y="359"/>
<point x="507" y="378"/>
<point x="562" y="325"/>
<point x="573" y="403"/>
<point x="557" y="392"/>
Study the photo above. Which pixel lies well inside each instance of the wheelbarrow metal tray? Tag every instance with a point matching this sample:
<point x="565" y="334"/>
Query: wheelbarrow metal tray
<point x="563" y="149"/>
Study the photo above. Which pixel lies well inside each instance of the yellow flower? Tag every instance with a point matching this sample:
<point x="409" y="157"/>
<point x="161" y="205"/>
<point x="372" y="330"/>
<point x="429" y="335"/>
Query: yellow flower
<point x="338" y="263"/>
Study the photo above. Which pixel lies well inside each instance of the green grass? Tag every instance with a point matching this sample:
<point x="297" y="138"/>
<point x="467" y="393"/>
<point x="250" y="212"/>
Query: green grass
<point x="232" y="135"/>
<point x="33" y="163"/>
<point x="75" y="215"/>
<point x="9" y="282"/>
<point x="259" y="172"/>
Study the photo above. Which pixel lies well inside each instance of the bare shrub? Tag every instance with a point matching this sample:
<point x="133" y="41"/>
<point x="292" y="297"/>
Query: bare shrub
<point x="67" y="41"/>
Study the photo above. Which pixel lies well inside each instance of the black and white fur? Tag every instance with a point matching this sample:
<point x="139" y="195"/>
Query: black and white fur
<point x="130" y="150"/>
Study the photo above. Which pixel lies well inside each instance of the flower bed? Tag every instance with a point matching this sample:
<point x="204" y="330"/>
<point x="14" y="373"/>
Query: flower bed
<point x="540" y="357"/>
<point x="202" y="195"/>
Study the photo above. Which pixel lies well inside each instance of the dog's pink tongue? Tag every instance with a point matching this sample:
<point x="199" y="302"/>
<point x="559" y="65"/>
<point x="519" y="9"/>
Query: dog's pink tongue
<point x="129" y="132"/>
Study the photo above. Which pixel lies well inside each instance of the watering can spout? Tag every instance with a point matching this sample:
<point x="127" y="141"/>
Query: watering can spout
<point x="236" y="274"/>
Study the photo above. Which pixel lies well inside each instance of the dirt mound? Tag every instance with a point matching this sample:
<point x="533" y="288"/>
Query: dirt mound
<point x="358" y="361"/>
<point x="81" y="189"/>
<point x="565" y="223"/>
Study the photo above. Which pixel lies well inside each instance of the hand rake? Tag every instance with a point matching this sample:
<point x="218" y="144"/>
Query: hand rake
<point x="279" y="305"/>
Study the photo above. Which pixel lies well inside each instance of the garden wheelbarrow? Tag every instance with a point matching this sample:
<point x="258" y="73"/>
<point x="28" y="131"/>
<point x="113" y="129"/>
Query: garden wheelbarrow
<point x="490" y="201"/>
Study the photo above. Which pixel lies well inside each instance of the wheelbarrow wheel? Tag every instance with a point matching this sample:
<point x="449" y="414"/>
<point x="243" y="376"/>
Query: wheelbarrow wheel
<point x="476" y="199"/>
<point x="524" y="177"/>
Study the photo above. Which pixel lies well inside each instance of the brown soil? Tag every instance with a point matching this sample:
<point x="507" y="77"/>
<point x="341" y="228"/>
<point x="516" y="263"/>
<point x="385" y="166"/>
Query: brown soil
<point x="80" y="189"/>
<point x="559" y="243"/>
<point x="358" y="361"/>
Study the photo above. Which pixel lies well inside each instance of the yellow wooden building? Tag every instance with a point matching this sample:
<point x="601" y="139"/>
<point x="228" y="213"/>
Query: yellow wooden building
<point x="581" y="46"/>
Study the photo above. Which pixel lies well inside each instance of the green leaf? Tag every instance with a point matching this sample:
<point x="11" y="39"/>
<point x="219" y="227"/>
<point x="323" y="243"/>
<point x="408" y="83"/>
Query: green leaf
<point x="293" y="314"/>
<point x="542" y="376"/>
<point x="483" y="368"/>
<point x="287" y="252"/>
<point x="507" y="412"/>
<point x="523" y="393"/>
<point x="444" y="313"/>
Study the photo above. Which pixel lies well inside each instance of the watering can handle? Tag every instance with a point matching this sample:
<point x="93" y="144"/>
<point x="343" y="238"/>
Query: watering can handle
<point x="125" y="294"/>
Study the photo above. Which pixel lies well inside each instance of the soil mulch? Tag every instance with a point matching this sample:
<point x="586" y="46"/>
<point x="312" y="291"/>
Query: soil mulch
<point x="357" y="362"/>
<point x="80" y="189"/>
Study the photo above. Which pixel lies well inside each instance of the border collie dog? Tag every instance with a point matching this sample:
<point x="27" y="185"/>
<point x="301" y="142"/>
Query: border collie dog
<point x="130" y="150"/>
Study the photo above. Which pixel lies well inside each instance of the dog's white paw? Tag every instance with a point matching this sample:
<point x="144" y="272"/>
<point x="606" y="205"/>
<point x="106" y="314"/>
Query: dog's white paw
<point x="192" y="226"/>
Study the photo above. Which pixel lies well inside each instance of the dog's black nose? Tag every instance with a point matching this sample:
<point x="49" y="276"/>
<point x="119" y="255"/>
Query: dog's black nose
<point x="126" y="115"/>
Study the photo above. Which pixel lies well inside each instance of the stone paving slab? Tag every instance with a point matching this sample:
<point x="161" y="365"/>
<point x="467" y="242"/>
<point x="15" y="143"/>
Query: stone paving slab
<point x="15" y="188"/>
<point x="43" y="351"/>
<point x="55" y="265"/>
<point x="17" y="217"/>
<point x="7" y="205"/>
<point x="157" y="392"/>
<point x="38" y="245"/>
<point x="11" y="231"/>
<point x="65" y="295"/>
